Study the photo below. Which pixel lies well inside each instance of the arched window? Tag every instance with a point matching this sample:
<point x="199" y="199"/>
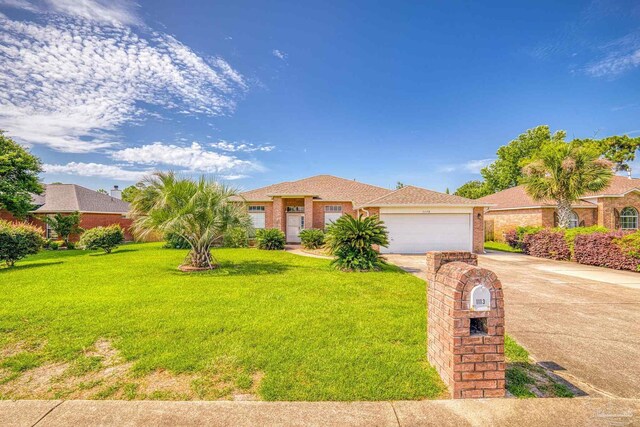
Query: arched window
<point x="629" y="218"/>
<point x="574" y="221"/>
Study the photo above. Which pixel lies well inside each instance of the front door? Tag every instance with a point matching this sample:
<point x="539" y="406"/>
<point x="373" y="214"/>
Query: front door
<point x="295" y="223"/>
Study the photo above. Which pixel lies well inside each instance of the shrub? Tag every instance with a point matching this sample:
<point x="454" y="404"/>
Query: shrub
<point x="18" y="240"/>
<point x="270" y="239"/>
<point x="312" y="238"/>
<point x="516" y="238"/>
<point x="351" y="240"/>
<point x="571" y="233"/>
<point x="547" y="244"/>
<point x="175" y="241"/>
<point x="236" y="237"/>
<point x="511" y="238"/>
<point x="613" y="250"/>
<point x="71" y="245"/>
<point x="54" y="245"/>
<point x="105" y="238"/>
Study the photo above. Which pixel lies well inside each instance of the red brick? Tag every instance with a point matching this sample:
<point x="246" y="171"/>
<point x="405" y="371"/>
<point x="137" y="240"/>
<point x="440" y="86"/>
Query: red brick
<point x="473" y="358"/>
<point x="472" y="376"/>
<point x="494" y="393"/>
<point x="485" y="366"/>
<point x="472" y="394"/>
<point x="494" y="375"/>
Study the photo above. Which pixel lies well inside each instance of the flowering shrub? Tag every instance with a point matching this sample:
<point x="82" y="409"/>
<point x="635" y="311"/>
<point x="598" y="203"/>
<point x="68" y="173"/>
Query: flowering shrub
<point x="516" y="238"/>
<point x="614" y="250"/>
<point x="571" y="233"/>
<point x="547" y="244"/>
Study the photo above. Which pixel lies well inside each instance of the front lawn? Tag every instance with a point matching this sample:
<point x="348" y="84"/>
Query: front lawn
<point x="267" y="325"/>
<point x="500" y="246"/>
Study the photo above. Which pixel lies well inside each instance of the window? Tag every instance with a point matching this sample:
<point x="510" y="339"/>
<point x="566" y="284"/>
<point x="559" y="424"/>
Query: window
<point x="333" y="208"/>
<point x="573" y="220"/>
<point x="629" y="218"/>
<point x="257" y="216"/>
<point x="295" y="208"/>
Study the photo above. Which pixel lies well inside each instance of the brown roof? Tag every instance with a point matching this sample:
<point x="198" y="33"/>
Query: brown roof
<point x="322" y="187"/>
<point x="517" y="197"/>
<point x="410" y="195"/>
<point x="619" y="185"/>
<point x="71" y="197"/>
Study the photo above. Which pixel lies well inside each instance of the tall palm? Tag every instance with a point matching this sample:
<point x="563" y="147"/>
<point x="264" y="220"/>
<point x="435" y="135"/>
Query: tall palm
<point x="564" y="172"/>
<point x="199" y="211"/>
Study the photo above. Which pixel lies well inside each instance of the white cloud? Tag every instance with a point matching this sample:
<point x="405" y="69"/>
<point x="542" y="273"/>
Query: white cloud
<point x="279" y="54"/>
<point x="194" y="158"/>
<point x="620" y="55"/>
<point x="96" y="170"/>
<point x="241" y="147"/>
<point x="474" y="166"/>
<point x="121" y="12"/>
<point x="70" y="83"/>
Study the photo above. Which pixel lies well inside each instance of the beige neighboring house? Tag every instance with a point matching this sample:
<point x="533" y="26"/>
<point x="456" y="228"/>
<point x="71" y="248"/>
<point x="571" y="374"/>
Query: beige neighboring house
<point x="418" y="220"/>
<point x="615" y="207"/>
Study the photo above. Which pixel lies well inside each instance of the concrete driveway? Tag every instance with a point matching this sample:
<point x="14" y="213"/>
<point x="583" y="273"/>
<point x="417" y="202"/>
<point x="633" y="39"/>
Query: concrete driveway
<point x="583" y="320"/>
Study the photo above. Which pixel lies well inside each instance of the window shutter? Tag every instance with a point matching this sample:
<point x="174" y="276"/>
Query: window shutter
<point x="582" y="223"/>
<point x="555" y="219"/>
<point x="616" y="217"/>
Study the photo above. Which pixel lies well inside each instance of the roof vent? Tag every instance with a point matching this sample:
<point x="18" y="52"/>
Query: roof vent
<point x="116" y="193"/>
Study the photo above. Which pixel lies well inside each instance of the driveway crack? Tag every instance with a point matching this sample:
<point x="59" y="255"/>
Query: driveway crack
<point x="47" y="413"/>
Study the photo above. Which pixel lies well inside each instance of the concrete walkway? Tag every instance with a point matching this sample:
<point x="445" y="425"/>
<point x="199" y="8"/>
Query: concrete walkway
<point x="496" y="412"/>
<point x="581" y="321"/>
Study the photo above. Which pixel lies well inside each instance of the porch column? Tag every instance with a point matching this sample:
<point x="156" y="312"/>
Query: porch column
<point x="278" y="213"/>
<point x="308" y="212"/>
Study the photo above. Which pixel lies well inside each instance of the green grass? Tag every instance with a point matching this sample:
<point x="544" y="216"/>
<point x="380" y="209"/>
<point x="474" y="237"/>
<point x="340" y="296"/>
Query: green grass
<point x="305" y="330"/>
<point x="500" y="246"/>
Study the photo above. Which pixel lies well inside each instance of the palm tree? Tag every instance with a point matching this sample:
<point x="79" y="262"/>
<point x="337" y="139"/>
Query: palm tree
<point x="199" y="211"/>
<point x="564" y="172"/>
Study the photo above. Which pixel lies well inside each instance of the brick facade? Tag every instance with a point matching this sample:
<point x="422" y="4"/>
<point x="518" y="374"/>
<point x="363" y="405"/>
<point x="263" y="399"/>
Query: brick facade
<point x="472" y="364"/>
<point x="478" y="230"/>
<point x="608" y="205"/>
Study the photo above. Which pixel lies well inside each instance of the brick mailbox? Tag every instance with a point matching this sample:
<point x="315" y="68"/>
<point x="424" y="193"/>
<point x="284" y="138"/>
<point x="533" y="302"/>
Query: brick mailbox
<point x="466" y="325"/>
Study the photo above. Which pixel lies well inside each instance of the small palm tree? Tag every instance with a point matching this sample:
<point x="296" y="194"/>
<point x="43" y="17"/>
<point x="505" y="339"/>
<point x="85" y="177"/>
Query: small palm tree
<point x="564" y="172"/>
<point x="351" y="240"/>
<point x="64" y="225"/>
<point x="199" y="211"/>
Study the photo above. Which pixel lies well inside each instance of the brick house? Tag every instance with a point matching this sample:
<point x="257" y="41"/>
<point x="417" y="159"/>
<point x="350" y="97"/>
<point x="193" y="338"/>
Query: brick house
<point x="418" y="220"/>
<point x="615" y="207"/>
<point x="97" y="209"/>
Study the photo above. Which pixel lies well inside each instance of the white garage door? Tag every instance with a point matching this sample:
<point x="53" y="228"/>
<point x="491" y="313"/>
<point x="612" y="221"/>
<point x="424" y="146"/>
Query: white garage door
<point x="418" y="233"/>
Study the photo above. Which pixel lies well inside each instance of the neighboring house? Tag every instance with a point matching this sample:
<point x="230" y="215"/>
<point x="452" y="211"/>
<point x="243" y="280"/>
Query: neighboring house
<point x="615" y="207"/>
<point x="97" y="209"/>
<point x="418" y="220"/>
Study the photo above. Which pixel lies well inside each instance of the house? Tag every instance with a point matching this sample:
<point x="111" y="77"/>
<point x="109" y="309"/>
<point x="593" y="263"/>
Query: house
<point x="615" y="207"/>
<point x="97" y="209"/>
<point x="418" y="220"/>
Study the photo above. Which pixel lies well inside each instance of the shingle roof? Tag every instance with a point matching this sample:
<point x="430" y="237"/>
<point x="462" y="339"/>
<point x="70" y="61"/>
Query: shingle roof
<point x="71" y="197"/>
<point x="410" y="195"/>
<point x="517" y="197"/>
<point x="619" y="185"/>
<point x="322" y="187"/>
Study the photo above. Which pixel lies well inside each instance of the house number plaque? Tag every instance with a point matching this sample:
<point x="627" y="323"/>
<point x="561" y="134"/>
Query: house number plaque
<point x="480" y="299"/>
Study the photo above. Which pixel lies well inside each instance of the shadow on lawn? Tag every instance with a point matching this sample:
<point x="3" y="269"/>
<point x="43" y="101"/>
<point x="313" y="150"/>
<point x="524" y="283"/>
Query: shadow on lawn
<point x="115" y="252"/>
<point x="27" y="266"/>
<point x="246" y="268"/>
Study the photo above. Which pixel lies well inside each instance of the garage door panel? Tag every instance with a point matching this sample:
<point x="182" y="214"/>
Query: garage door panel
<point x="419" y="233"/>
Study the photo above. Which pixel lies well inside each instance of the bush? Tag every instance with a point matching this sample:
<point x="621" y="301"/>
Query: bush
<point x="614" y="250"/>
<point x="71" y="245"/>
<point x="312" y="238"/>
<point x="571" y="233"/>
<point x="54" y="246"/>
<point x="105" y="238"/>
<point x="175" y="241"/>
<point x="351" y="240"/>
<point x="516" y="238"/>
<point x="18" y="240"/>
<point x="236" y="237"/>
<point x="547" y="244"/>
<point x="270" y="239"/>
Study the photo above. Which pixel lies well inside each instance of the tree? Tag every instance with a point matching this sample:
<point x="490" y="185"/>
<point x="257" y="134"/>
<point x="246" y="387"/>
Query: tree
<point x="64" y="225"/>
<point x="564" y="172"/>
<point x="351" y="240"/>
<point x="473" y="190"/>
<point x="199" y="211"/>
<point x="620" y="149"/>
<point x="129" y="193"/>
<point x="19" y="171"/>
<point x="399" y="185"/>
<point x="103" y="191"/>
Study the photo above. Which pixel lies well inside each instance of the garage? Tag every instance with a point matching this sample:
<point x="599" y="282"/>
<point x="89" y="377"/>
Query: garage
<point x="413" y="233"/>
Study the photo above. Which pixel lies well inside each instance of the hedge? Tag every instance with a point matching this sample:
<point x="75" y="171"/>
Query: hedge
<point x="614" y="250"/>
<point x="547" y="244"/>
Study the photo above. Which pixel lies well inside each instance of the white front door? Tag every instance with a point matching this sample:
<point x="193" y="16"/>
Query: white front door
<point x="295" y="223"/>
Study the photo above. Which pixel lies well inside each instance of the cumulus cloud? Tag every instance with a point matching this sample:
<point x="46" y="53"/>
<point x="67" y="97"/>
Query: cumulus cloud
<point x="96" y="170"/>
<point x="241" y="147"/>
<point x="279" y="54"/>
<point x="71" y="82"/>
<point x="193" y="158"/>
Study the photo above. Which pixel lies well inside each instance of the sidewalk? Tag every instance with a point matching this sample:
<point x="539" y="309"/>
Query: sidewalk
<point x="480" y="412"/>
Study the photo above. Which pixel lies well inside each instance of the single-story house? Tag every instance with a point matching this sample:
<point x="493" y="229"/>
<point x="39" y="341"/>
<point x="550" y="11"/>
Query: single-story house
<point x="418" y="220"/>
<point x="615" y="207"/>
<point x="97" y="209"/>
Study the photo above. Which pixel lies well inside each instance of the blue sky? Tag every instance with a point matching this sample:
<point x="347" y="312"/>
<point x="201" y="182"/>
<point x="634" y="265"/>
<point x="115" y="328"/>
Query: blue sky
<point x="261" y="92"/>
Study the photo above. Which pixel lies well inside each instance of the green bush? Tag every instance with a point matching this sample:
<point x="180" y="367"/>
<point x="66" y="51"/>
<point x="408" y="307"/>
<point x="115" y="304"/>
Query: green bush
<point x="236" y="237"/>
<point x="270" y="239"/>
<point x="54" y="246"/>
<point x="312" y="238"/>
<point x="18" y="240"/>
<point x="629" y="244"/>
<point x="351" y="240"/>
<point x="571" y="233"/>
<point x="71" y="245"/>
<point x="105" y="238"/>
<point x="175" y="241"/>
